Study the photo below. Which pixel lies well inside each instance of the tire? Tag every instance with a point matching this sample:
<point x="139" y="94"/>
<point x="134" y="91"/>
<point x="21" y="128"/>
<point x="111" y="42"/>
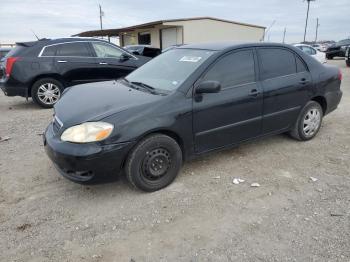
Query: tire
<point x="47" y="89"/>
<point x="330" y="57"/>
<point x="348" y="63"/>
<point x="308" y="123"/>
<point x="154" y="163"/>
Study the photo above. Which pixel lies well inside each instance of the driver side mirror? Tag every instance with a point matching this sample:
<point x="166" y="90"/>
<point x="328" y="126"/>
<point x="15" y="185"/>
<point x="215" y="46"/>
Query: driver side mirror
<point x="124" y="57"/>
<point x="208" y="87"/>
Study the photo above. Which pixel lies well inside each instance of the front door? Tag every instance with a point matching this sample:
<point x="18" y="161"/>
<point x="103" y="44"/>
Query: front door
<point x="233" y="114"/>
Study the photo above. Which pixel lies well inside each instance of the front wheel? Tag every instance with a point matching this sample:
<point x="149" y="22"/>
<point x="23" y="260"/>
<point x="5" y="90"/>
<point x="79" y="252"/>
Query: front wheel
<point x="46" y="92"/>
<point x="309" y="122"/>
<point x="154" y="163"/>
<point x="330" y="57"/>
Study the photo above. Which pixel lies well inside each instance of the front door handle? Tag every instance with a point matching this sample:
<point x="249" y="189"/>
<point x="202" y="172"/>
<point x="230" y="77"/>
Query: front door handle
<point x="61" y="61"/>
<point x="103" y="63"/>
<point x="254" y="92"/>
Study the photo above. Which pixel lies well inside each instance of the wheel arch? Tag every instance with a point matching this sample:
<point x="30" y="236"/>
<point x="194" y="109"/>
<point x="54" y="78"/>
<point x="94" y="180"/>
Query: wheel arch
<point x="174" y="135"/>
<point x="54" y="76"/>
<point x="322" y="101"/>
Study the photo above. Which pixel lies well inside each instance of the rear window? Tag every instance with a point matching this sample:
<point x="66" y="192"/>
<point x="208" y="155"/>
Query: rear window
<point x="73" y="49"/>
<point x="300" y="65"/>
<point x="49" y="51"/>
<point x="276" y="62"/>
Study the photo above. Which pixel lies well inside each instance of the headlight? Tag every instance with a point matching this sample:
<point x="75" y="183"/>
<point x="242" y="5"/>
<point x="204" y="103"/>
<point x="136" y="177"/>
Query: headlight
<point x="87" y="132"/>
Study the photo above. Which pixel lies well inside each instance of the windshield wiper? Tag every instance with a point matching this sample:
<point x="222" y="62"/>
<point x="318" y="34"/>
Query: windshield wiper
<point x="143" y="85"/>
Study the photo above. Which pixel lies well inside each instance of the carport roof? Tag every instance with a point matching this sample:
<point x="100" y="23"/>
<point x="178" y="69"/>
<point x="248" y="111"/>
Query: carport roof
<point x="117" y="31"/>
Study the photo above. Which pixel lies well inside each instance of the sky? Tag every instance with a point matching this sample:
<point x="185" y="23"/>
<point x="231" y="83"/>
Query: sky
<point x="59" y="18"/>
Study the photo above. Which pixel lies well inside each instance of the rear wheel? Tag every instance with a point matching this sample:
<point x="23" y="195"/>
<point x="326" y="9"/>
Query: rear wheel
<point x="309" y="122"/>
<point x="154" y="163"/>
<point x="46" y="92"/>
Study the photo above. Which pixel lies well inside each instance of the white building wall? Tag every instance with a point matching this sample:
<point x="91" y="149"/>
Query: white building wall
<point x="207" y="30"/>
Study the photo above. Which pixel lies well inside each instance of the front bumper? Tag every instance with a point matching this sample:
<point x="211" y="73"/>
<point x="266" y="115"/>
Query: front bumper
<point x="83" y="163"/>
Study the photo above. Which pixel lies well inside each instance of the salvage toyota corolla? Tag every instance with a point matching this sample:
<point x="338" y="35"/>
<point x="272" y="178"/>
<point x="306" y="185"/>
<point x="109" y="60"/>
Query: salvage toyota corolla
<point x="186" y="102"/>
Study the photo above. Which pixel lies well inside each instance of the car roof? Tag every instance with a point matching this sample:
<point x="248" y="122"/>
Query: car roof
<point x="223" y="46"/>
<point x="46" y="41"/>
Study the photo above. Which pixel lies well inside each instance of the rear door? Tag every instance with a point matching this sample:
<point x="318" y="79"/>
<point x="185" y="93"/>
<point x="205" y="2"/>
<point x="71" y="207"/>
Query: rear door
<point x="110" y="62"/>
<point x="233" y="114"/>
<point x="286" y="83"/>
<point x="75" y="62"/>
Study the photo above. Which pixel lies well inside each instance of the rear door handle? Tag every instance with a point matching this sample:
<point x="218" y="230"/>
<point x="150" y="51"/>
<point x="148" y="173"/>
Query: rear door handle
<point x="103" y="63"/>
<point x="61" y="61"/>
<point x="254" y="92"/>
<point x="304" y="81"/>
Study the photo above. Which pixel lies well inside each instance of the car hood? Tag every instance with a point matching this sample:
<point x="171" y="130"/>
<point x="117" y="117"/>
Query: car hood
<point x="95" y="101"/>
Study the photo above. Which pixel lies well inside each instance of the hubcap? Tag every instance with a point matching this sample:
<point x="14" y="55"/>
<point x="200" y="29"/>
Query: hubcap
<point x="312" y="121"/>
<point x="49" y="93"/>
<point x="156" y="164"/>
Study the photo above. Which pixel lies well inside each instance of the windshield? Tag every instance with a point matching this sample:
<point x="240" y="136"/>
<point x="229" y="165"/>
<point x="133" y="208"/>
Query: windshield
<point x="169" y="70"/>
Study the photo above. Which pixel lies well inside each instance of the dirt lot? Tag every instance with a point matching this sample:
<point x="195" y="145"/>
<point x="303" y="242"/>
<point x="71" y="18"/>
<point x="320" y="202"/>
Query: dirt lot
<point x="202" y="216"/>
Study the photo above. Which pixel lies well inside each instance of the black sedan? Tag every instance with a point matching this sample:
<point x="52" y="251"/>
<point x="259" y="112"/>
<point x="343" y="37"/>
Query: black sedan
<point x="186" y="102"/>
<point x="43" y="69"/>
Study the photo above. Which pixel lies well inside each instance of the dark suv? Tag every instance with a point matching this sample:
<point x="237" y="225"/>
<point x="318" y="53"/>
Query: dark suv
<point x="42" y="69"/>
<point x="337" y="49"/>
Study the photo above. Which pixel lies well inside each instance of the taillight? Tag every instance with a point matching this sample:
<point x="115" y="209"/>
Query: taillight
<point x="10" y="61"/>
<point x="340" y="75"/>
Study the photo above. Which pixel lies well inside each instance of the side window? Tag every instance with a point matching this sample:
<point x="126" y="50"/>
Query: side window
<point x="104" y="50"/>
<point x="233" y="69"/>
<point x="300" y="65"/>
<point x="49" y="51"/>
<point x="73" y="49"/>
<point x="309" y="50"/>
<point x="276" y="62"/>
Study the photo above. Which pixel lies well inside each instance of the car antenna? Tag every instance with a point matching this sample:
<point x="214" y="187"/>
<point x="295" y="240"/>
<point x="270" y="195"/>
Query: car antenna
<point x="35" y="35"/>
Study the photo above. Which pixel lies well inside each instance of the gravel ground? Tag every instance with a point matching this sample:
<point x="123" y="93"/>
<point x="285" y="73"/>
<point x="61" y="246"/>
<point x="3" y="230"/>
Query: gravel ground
<point x="202" y="216"/>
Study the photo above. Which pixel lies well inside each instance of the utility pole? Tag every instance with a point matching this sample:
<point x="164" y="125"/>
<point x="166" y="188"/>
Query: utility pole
<point x="307" y="16"/>
<point x="101" y="15"/>
<point x="284" y="34"/>
<point x="317" y="26"/>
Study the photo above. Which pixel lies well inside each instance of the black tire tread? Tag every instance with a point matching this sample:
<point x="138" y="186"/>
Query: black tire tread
<point x="294" y="133"/>
<point x="139" y="146"/>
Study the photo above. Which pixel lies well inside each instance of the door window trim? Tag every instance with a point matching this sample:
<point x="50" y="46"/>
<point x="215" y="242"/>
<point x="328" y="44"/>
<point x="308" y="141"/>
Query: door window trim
<point x="281" y="48"/>
<point x="87" y="42"/>
<point x="211" y="65"/>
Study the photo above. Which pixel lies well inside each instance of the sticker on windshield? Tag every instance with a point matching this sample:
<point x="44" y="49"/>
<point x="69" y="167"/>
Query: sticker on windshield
<point x="192" y="59"/>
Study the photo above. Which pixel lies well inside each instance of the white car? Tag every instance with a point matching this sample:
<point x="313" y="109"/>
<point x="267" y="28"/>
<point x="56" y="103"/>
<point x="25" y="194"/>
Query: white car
<point x="320" y="56"/>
